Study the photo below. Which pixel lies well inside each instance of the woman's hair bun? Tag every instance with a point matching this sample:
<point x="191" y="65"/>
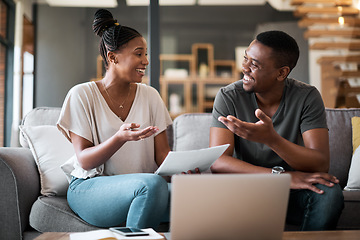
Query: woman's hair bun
<point x="113" y="35"/>
<point x="103" y="19"/>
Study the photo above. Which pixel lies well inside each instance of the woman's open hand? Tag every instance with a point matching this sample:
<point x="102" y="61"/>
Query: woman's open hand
<point x="131" y="131"/>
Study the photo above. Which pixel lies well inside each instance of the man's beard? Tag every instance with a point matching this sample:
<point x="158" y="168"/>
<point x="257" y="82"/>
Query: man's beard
<point x="251" y="90"/>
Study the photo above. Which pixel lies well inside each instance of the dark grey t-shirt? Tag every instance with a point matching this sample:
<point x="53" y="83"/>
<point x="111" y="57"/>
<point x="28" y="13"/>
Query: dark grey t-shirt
<point x="301" y="109"/>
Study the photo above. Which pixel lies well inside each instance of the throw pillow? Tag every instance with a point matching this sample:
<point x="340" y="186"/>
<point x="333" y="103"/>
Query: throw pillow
<point x="50" y="150"/>
<point x="355" y="122"/>
<point x="354" y="176"/>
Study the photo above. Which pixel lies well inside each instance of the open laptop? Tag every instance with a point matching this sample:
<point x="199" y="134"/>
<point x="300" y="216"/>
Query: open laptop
<point x="229" y="206"/>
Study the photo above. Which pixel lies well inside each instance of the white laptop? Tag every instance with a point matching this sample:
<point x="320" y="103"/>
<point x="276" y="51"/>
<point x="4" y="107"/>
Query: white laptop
<point x="229" y="206"/>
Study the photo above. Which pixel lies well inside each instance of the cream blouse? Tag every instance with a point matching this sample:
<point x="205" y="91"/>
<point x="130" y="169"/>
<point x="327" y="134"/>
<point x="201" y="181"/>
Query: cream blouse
<point x="86" y="113"/>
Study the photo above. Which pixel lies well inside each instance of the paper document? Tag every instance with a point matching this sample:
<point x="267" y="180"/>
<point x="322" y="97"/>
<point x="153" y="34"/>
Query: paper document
<point x="109" y="235"/>
<point x="182" y="161"/>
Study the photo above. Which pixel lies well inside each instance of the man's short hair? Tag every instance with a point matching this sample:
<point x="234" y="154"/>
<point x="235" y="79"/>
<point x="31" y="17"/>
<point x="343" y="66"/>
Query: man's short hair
<point x="285" y="49"/>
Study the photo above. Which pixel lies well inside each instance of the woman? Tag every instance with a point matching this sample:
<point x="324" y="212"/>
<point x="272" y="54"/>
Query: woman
<point x="117" y="127"/>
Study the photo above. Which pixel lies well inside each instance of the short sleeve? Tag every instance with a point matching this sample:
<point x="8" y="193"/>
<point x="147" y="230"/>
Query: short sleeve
<point x="160" y="116"/>
<point x="314" y="115"/>
<point x="220" y="108"/>
<point x="75" y="115"/>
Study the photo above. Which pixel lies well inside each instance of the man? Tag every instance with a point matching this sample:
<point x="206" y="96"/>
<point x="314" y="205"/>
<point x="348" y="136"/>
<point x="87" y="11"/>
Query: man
<point x="276" y="124"/>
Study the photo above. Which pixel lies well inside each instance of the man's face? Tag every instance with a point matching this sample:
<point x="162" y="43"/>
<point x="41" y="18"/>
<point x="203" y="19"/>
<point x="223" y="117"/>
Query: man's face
<point x="259" y="68"/>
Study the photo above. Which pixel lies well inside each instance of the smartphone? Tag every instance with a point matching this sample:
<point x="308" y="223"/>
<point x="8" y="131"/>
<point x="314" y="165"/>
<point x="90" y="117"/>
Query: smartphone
<point x="129" y="231"/>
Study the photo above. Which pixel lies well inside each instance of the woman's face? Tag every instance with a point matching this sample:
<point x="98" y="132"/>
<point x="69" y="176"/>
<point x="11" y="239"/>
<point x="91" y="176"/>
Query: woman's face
<point x="131" y="60"/>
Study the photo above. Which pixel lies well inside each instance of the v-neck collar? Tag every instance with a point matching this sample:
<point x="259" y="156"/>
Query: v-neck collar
<point x="281" y="105"/>
<point x="108" y="107"/>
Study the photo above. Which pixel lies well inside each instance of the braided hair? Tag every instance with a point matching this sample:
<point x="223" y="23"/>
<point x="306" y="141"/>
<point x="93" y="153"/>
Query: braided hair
<point x="113" y="35"/>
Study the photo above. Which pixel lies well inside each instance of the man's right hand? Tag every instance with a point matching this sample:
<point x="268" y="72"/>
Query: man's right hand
<point x="303" y="180"/>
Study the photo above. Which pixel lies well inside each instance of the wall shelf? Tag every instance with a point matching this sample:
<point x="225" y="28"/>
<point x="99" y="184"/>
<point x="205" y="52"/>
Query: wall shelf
<point x="332" y="25"/>
<point x="305" y="10"/>
<point x="335" y="80"/>
<point x="328" y="2"/>
<point x="310" y="21"/>
<point x="351" y="46"/>
<point x="205" y="76"/>
<point x="347" y="33"/>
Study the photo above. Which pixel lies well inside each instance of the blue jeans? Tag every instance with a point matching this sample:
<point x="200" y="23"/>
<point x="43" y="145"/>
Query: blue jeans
<point x="139" y="200"/>
<point x="313" y="211"/>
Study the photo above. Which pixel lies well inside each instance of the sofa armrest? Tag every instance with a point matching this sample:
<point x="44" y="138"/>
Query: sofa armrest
<point x="19" y="187"/>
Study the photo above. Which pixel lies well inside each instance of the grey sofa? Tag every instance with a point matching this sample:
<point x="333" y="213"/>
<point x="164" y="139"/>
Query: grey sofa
<point x="25" y="213"/>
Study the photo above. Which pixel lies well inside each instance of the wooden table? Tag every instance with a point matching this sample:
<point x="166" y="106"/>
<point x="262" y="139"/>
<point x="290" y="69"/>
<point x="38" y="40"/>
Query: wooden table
<point x="322" y="235"/>
<point x="316" y="235"/>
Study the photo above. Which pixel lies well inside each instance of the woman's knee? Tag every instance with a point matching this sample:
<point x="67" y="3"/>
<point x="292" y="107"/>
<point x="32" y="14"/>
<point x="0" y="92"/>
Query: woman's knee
<point x="154" y="184"/>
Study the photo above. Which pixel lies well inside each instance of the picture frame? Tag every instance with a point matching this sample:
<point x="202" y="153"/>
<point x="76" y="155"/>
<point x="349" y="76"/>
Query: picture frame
<point x="204" y="59"/>
<point x="177" y="65"/>
<point x="225" y="68"/>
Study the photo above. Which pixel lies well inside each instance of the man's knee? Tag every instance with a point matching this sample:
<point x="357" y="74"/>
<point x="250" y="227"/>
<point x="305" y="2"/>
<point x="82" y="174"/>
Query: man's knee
<point x="333" y="195"/>
<point x="331" y="202"/>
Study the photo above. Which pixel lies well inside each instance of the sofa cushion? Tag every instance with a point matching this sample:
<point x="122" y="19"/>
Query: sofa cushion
<point x="355" y="122"/>
<point x="353" y="182"/>
<point x="50" y="150"/>
<point x="37" y="117"/>
<point x="340" y="132"/>
<point x="53" y="214"/>
<point x="350" y="217"/>
<point x="191" y="131"/>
